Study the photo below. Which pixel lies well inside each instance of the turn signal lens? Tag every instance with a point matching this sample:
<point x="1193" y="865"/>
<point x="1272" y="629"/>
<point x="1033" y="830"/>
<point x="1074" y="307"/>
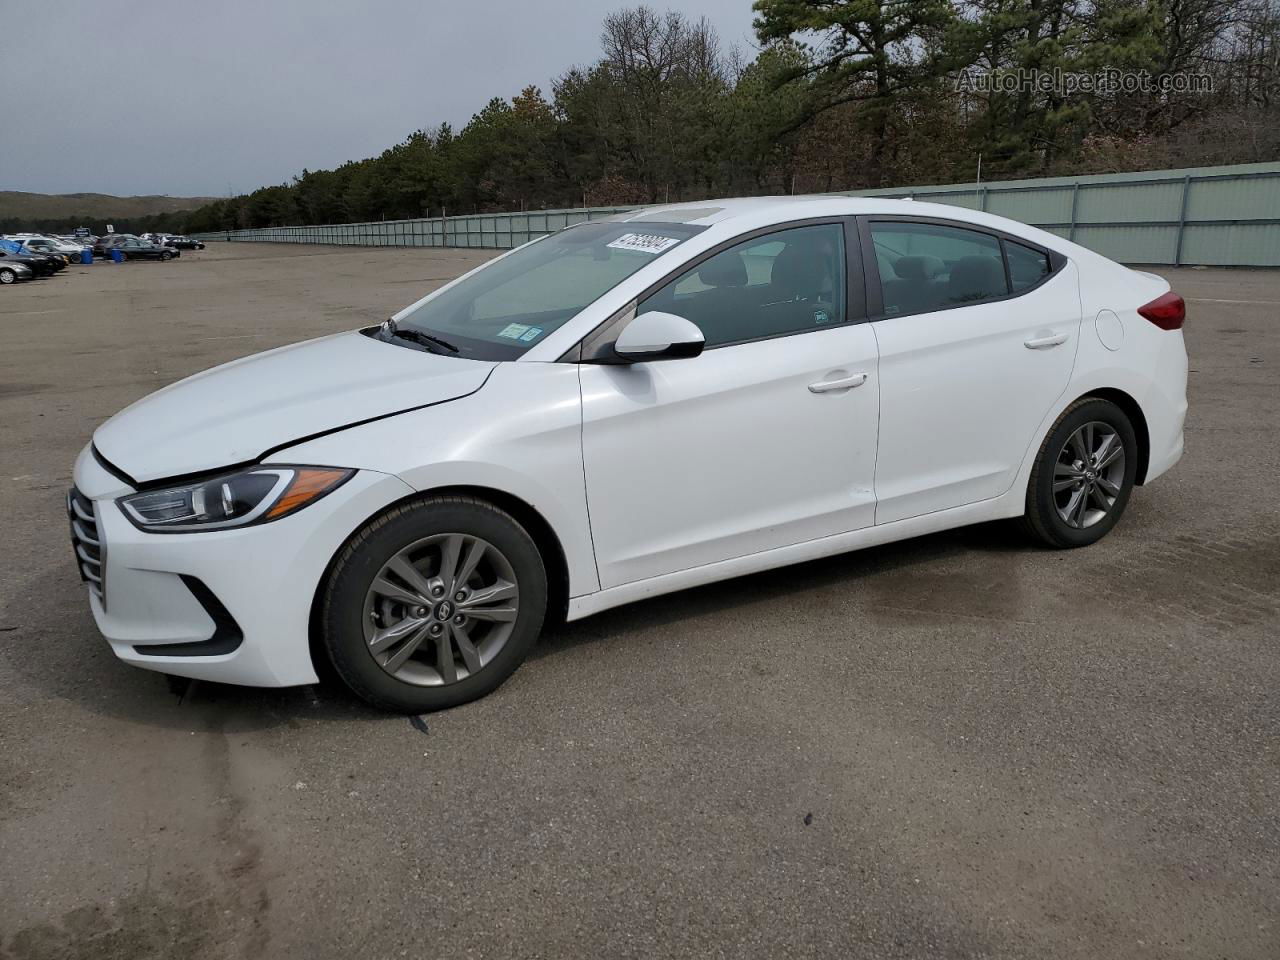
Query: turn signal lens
<point x="1168" y="312"/>
<point x="308" y="483"/>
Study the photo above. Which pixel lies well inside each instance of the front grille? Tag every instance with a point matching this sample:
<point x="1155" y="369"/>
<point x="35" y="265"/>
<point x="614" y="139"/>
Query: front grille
<point x="88" y="543"/>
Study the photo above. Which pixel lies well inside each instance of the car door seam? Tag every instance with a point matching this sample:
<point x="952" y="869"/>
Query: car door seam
<point x="875" y="466"/>
<point x="586" y="487"/>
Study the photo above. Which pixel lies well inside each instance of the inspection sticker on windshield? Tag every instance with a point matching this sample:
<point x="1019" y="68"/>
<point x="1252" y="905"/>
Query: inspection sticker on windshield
<point x="514" y="331"/>
<point x="643" y="242"/>
<point x="533" y="333"/>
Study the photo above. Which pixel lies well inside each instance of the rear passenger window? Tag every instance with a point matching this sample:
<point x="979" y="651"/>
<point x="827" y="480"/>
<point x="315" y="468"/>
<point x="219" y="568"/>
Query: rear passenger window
<point x="926" y="266"/>
<point x="1027" y="267"/>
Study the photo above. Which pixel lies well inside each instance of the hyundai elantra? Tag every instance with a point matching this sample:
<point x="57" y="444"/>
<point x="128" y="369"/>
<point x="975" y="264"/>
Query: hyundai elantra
<point x="625" y="408"/>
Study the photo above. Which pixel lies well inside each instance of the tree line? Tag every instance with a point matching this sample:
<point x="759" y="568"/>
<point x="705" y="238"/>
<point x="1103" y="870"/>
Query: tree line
<point x="838" y="95"/>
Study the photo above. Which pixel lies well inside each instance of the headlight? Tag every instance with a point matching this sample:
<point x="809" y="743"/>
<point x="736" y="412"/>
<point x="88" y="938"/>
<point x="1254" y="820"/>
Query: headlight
<point x="255" y="495"/>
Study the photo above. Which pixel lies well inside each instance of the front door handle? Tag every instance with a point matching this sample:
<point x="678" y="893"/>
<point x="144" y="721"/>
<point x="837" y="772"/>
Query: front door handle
<point x="1043" y="343"/>
<point x="844" y="383"/>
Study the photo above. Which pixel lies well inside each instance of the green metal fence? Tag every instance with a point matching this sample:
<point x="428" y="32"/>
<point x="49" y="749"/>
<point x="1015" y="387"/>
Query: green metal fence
<point x="1222" y="216"/>
<point x="494" y="230"/>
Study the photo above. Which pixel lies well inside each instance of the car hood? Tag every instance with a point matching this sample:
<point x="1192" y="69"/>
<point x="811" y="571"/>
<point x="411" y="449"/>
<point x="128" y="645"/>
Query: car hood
<point x="240" y="411"/>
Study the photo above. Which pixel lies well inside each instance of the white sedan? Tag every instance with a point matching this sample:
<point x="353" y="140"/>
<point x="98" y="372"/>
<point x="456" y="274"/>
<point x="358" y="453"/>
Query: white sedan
<point x="622" y="409"/>
<point x="74" y="252"/>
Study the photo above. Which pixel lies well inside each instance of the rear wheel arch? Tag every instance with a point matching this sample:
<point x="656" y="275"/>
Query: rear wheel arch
<point x="534" y="523"/>
<point x="1081" y="475"/>
<point x="1133" y="411"/>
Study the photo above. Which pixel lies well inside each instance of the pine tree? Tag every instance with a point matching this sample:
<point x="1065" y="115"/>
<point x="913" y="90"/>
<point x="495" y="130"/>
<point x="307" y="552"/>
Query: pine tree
<point x="869" y="51"/>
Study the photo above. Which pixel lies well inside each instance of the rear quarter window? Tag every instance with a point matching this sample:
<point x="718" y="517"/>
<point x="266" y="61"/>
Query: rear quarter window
<point x="1027" y="266"/>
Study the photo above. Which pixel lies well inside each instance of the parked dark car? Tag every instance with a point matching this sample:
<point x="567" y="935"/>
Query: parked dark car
<point x="11" y="272"/>
<point x="135" y="249"/>
<point x="183" y="243"/>
<point x="41" y="266"/>
<point x="102" y="246"/>
<point x="41" y="248"/>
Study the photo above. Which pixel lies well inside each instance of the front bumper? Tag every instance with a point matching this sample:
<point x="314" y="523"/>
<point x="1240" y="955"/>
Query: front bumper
<point x="232" y="606"/>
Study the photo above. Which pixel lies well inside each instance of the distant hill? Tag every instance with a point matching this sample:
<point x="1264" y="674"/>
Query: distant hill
<point x="16" y="205"/>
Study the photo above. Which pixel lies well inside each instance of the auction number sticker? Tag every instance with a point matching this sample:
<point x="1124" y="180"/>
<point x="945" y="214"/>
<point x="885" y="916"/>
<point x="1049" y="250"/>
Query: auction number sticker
<point x="643" y="242"/>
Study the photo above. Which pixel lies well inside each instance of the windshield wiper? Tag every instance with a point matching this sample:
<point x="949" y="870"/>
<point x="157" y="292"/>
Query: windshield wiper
<point x="390" y="329"/>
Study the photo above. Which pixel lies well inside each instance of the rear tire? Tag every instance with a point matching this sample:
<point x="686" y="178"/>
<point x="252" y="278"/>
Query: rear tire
<point x="1082" y="476"/>
<point x="166" y="255"/>
<point x="433" y="604"/>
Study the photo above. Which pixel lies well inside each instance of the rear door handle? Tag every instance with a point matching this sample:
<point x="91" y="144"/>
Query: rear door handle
<point x="844" y="383"/>
<point x="1044" y="343"/>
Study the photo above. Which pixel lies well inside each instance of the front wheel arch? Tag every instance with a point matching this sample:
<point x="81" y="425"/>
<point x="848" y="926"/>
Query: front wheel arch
<point x="544" y="538"/>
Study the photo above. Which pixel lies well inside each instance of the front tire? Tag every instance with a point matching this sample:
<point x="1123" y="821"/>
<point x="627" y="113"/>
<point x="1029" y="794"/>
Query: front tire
<point x="166" y="255"/>
<point x="7" y="275"/>
<point x="433" y="604"/>
<point x="1083" y="475"/>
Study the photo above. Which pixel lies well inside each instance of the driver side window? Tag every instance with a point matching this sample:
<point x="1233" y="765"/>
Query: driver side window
<point x="784" y="282"/>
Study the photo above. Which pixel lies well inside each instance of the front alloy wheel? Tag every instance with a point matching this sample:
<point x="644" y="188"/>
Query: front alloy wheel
<point x="440" y="609"/>
<point x="434" y="603"/>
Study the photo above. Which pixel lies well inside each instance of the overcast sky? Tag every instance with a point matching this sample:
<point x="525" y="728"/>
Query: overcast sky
<point x="202" y="99"/>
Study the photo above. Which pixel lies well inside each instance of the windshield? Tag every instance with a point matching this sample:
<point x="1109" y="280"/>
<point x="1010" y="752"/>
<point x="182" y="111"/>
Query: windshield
<point x="509" y="306"/>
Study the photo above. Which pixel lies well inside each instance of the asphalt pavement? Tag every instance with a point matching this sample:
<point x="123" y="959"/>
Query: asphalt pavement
<point x="958" y="746"/>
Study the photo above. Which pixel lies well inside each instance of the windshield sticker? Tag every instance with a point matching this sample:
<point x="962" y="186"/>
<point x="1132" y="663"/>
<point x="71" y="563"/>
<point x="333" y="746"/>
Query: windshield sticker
<point x="643" y="242"/>
<point x="533" y="333"/>
<point x="514" y="331"/>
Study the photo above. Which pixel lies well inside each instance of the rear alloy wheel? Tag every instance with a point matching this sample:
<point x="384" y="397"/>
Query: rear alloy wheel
<point x="7" y="275"/>
<point x="75" y="258"/>
<point x="1083" y="475"/>
<point x="166" y="255"/>
<point x="433" y="604"/>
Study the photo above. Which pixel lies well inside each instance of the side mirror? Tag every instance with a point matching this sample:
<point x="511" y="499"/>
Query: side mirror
<point x="658" y="336"/>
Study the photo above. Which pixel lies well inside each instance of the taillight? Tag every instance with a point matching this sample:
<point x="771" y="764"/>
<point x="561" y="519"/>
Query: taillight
<point x="1167" y="312"/>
